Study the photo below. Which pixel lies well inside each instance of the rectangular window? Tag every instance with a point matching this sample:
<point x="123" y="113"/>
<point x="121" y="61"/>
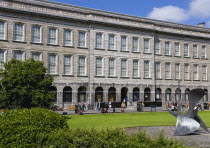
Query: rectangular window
<point x="98" y="40"/>
<point x="186" y="72"/>
<point x="204" y="72"/>
<point x="36" y="34"/>
<point x="167" y="48"/>
<point x="157" y="70"/>
<point x="111" y="45"/>
<point x="123" y="68"/>
<point x="18" y="32"/>
<point x="203" y="52"/>
<point x="52" y="64"/>
<point x="168" y="71"/>
<point x="195" y="51"/>
<point x="2" y="59"/>
<point x="67" y="64"/>
<point x="195" y="72"/>
<point x="123" y="43"/>
<point x="177" y="71"/>
<point x="177" y="49"/>
<point x="2" y="30"/>
<point x="67" y="37"/>
<point x="111" y="67"/>
<point x="135" y="68"/>
<point x="135" y="44"/>
<point x="81" y="66"/>
<point x="82" y="39"/>
<point x="146" y="46"/>
<point x="18" y="55"/>
<point x="36" y="56"/>
<point x="146" y="69"/>
<point x="186" y="50"/>
<point x="52" y="36"/>
<point x="157" y="47"/>
<point x="99" y="67"/>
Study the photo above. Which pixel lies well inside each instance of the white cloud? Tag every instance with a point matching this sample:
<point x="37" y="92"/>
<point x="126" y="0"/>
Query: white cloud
<point x="169" y="13"/>
<point x="200" y="8"/>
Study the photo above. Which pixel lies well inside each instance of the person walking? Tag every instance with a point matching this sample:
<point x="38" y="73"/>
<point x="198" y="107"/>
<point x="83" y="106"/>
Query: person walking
<point x="123" y="107"/>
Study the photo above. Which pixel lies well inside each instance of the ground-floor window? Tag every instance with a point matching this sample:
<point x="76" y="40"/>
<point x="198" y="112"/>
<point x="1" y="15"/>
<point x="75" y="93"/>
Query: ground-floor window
<point x="124" y="92"/>
<point x="99" y="94"/>
<point x="135" y="94"/>
<point x="168" y="94"/>
<point x="147" y="92"/>
<point x="112" y="94"/>
<point x="67" y="94"/>
<point x="82" y="94"/>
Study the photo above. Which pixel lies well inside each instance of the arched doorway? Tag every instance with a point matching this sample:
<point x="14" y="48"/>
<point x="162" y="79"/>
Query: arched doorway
<point x="136" y="94"/>
<point x="124" y="94"/>
<point x="147" y="92"/>
<point x="177" y="94"/>
<point x="205" y="97"/>
<point x="168" y="94"/>
<point x="67" y="94"/>
<point x="99" y="94"/>
<point x="82" y="94"/>
<point x="158" y="95"/>
<point x="53" y="89"/>
<point x="112" y="94"/>
<point x="187" y="92"/>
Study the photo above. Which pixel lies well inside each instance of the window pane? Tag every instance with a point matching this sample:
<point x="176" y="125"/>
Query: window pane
<point x="112" y="42"/>
<point x="67" y="38"/>
<point x="177" y="50"/>
<point x="36" y="56"/>
<point x="146" y="69"/>
<point x="123" y="68"/>
<point x="18" y="32"/>
<point x="157" y="47"/>
<point x="98" y="66"/>
<point x="52" y="64"/>
<point x="52" y="36"/>
<point x="36" y="36"/>
<point x="123" y="43"/>
<point x="82" y="39"/>
<point x="203" y="51"/>
<point x="111" y="67"/>
<point x="186" y="72"/>
<point x="1" y="59"/>
<point x="18" y="55"/>
<point x="157" y="70"/>
<point x="2" y="30"/>
<point x="81" y="66"/>
<point x="195" y="72"/>
<point x="186" y="50"/>
<point x="67" y="65"/>
<point x="98" y="40"/>
<point x="204" y="72"/>
<point x="135" y="68"/>
<point x="146" y="45"/>
<point x="168" y="70"/>
<point x="177" y="71"/>
<point x="167" y="48"/>
<point x="135" y="44"/>
<point x="195" y="51"/>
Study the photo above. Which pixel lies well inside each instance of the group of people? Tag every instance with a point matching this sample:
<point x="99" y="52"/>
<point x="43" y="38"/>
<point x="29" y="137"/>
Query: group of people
<point x="81" y="108"/>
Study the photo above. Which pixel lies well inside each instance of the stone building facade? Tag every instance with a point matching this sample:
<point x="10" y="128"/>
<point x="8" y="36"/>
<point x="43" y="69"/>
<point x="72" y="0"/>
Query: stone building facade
<point x="98" y="56"/>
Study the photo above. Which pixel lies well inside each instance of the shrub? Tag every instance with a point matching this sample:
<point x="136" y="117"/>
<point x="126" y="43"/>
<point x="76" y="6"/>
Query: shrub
<point x="22" y="128"/>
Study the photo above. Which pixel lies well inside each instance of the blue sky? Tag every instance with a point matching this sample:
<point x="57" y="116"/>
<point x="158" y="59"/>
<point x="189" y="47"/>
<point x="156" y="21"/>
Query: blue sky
<point x="189" y="12"/>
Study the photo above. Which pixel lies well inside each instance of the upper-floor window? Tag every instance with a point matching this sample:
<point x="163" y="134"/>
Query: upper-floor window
<point x="82" y="66"/>
<point x="203" y="54"/>
<point x="19" y="32"/>
<point x="135" y="44"/>
<point x="123" y="43"/>
<point x="67" y="65"/>
<point x="167" y="48"/>
<point x="36" y="56"/>
<point x="99" y="40"/>
<point x="195" y="72"/>
<point x="111" y="67"/>
<point x="157" y="70"/>
<point x="82" y="39"/>
<point x="146" y="46"/>
<point x="135" y="68"/>
<point x="99" y="66"/>
<point x="177" y="71"/>
<point x="167" y="70"/>
<point x="2" y="59"/>
<point x="186" y="50"/>
<point x="67" y="37"/>
<point x="19" y="55"/>
<point x="157" y="47"/>
<point x="146" y="69"/>
<point x="2" y="30"/>
<point x="52" y="36"/>
<point x="36" y="34"/>
<point x="123" y="68"/>
<point x="195" y="51"/>
<point x="52" y="64"/>
<point x="111" y="42"/>
<point x="186" y="72"/>
<point x="177" y="49"/>
<point x="204" y="72"/>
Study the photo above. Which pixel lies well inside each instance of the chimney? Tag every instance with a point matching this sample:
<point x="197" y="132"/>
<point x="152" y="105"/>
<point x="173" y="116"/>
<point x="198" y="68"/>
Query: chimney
<point x="202" y="24"/>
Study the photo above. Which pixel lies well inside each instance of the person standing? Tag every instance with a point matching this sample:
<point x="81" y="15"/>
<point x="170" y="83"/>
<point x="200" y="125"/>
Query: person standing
<point x="123" y="107"/>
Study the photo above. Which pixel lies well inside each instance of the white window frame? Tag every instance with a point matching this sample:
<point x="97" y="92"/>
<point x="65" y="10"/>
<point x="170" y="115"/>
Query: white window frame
<point x="56" y="64"/>
<point x="100" y="44"/>
<point x="177" y="71"/>
<point x="145" y="75"/>
<point x="186" y="46"/>
<point x="195" y="72"/>
<point x="85" y="66"/>
<point x="145" y="49"/>
<point x="136" y="69"/>
<point x="71" y="64"/>
<point x="114" y="69"/>
<point x="157" y="50"/>
<point x="177" y="51"/>
<point x="126" y="68"/>
<point x="158" y="72"/>
<point x="4" y="30"/>
<point x="40" y="34"/>
<point x="40" y="55"/>
<point x="168" y="50"/>
<point x="102" y="68"/>
<point x="82" y="41"/>
<point x="204" y="74"/>
<point x="195" y="51"/>
<point x="114" y="42"/>
<point x="56" y="36"/>
<point x="203" y="52"/>
<point x="19" y="51"/>
<point x="135" y="48"/>
<point x="4" y="58"/>
<point x="64" y="37"/>
<point x="15" y="34"/>
<point x="186" y="72"/>
<point x="166" y="71"/>
<point x="123" y="43"/>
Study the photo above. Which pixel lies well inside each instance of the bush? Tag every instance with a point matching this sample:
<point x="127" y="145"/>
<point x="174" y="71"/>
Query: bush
<point x="24" y="127"/>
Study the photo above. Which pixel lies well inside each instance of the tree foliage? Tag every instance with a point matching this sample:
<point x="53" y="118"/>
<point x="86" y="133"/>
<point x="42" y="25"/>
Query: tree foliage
<point x="25" y="85"/>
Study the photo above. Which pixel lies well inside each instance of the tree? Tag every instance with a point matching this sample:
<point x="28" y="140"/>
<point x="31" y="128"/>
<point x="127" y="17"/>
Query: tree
<point x="25" y="85"/>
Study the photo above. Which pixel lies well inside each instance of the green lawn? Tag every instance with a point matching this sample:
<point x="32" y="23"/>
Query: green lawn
<point x="103" y="121"/>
